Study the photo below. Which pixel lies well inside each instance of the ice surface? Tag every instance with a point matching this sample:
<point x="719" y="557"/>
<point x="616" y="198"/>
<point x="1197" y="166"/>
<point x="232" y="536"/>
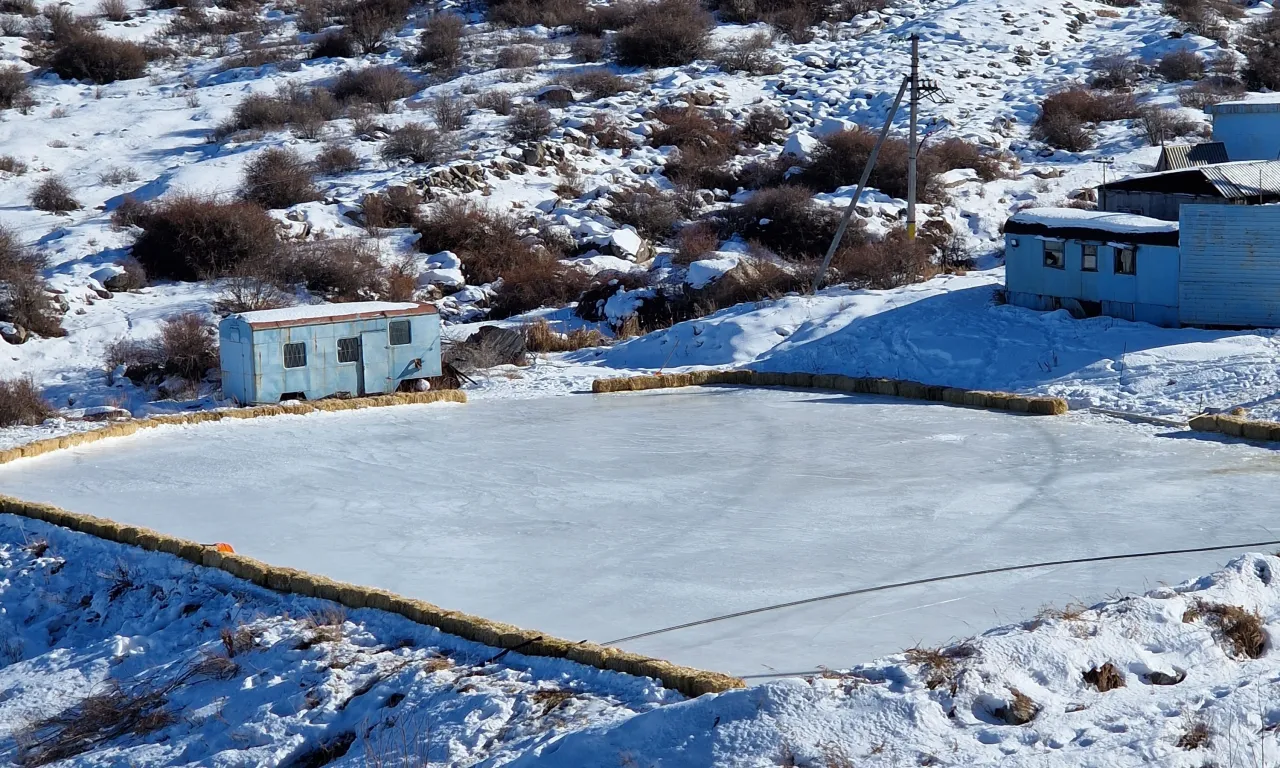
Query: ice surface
<point x="596" y="517"/>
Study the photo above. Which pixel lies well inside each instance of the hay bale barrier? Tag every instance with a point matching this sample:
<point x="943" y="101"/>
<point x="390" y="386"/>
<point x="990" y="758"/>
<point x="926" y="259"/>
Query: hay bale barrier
<point x="126" y="428"/>
<point x="1237" y="426"/>
<point x="687" y="680"/>
<point x="911" y="390"/>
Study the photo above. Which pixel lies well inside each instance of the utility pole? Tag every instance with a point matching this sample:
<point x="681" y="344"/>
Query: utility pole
<point x="913" y="147"/>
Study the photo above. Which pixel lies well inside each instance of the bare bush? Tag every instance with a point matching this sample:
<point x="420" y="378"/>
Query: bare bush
<point x="189" y="237"/>
<point x="608" y="133"/>
<point x="186" y="348"/>
<point x="25" y="8"/>
<point x="540" y="337"/>
<point x="291" y="105"/>
<point x="764" y="125"/>
<point x="1063" y="116"/>
<point x="498" y="101"/>
<point x="416" y="142"/>
<point x="1258" y="43"/>
<point x="14" y="86"/>
<point x="114" y="10"/>
<point x="334" y="159"/>
<point x="599" y="83"/>
<point x="587" y="48"/>
<point x="333" y="45"/>
<point x="842" y="156"/>
<point x="705" y="145"/>
<point x="794" y="18"/>
<point x="98" y="59"/>
<point x="449" y="112"/>
<point x="489" y="243"/>
<point x="1115" y="70"/>
<point x="518" y="57"/>
<point x="667" y="33"/>
<point x="53" y="194"/>
<point x="749" y="54"/>
<point x="441" y="44"/>
<point x="339" y="269"/>
<point x="1204" y="17"/>
<point x="788" y="221"/>
<point x="21" y="403"/>
<point x="539" y="280"/>
<point x="652" y="211"/>
<point x="250" y="293"/>
<point x="24" y="298"/>
<point x="393" y="207"/>
<point x="892" y="262"/>
<point x="1180" y="65"/>
<point x="1211" y="90"/>
<point x="529" y="122"/>
<point x="696" y="241"/>
<point x="1160" y="124"/>
<point x="278" y="178"/>
<point x="369" y="21"/>
<point x="115" y="175"/>
<point x="11" y="164"/>
<point x="526" y="13"/>
<point x="380" y="86"/>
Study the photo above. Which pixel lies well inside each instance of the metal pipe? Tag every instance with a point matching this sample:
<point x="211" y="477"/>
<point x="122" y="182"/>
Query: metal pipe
<point x="913" y="147"/>
<point x="862" y="186"/>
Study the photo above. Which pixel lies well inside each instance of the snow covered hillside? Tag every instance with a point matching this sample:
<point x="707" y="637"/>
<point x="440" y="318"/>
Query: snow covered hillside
<point x="113" y="656"/>
<point x="174" y="132"/>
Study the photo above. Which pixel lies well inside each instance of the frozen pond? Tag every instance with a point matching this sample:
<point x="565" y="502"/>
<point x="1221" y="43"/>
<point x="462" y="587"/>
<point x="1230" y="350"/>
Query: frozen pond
<point x="597" y="517"/>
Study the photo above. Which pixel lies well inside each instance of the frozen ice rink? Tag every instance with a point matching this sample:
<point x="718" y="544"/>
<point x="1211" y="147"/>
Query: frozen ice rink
<point x="597" y="517"/>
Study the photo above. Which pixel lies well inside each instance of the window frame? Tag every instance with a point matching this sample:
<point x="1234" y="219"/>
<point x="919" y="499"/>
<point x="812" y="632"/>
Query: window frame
<point x="353" y="360"/>
<point x="1133" y="251"/>
<point x="1084" y="254"/>
<point x="1060" y="249"/>
<point x="296" y="345"/>
<point x="391" y="333"/>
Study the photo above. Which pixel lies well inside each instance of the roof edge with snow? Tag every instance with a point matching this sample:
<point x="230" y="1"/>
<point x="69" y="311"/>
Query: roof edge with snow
<point x="1077" y="224"/>
<point x="321" y="314"/>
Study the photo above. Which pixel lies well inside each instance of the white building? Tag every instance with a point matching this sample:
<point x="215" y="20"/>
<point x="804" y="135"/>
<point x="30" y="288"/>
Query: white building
<point x="1249" y="128"/>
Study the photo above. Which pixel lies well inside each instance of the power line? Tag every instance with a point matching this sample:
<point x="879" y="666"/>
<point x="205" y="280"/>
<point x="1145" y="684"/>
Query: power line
<point x="934" y="580"/>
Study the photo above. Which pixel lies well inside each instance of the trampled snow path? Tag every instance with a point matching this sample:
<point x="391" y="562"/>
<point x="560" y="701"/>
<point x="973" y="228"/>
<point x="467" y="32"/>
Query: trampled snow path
<point x="599" y="517"/>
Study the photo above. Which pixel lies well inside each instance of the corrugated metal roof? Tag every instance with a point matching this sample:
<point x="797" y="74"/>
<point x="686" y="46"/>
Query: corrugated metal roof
<point x="323" y="314"/>
<point x="1231" y="181"/>
<point x="1264" y="104"/>
<point x="1180" y="156"/>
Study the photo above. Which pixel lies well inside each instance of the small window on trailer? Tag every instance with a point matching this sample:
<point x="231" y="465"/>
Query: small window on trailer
<point x="399" y="332"/>
<point x="1126" y="260"/>
<point x="1055" y="254"/>
<point x="295" y="355"/>
<point x="1089" y="257"/>
<point x="349" y="350"/>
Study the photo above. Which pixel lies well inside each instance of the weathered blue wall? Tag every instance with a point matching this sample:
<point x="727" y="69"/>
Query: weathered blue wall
<point x="253" y="361"/>
<point x="1150" y="296"/>
<point x="1230" y="272"/>
<point x="1250" y="131"/>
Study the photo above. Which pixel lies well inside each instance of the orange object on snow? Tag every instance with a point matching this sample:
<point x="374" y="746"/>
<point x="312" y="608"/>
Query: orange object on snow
<point x="223" y="546"/>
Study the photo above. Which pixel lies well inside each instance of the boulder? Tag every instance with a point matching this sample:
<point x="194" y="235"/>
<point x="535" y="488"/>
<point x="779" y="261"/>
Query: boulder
<point x="626" y="243"/>
<point x="800" y="144"/>
<point x="555" y="94"/>
<point x="12" y="333"/>
<point x="113" y="277"/>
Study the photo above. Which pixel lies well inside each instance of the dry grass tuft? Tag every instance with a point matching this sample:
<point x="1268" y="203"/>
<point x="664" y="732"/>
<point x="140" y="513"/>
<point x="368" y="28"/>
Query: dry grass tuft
<point x="236" y="641"/>
<point x="1195" y="736"/>
<point x="1104" y="678"/>
<point x="940" y="664"/>
<point x="550" y="699"/>
<point x="1071" y="612"/>
<point x="1242" y="629"/>
<point x="540" y="337"/>
<point x="1020" y="710"/>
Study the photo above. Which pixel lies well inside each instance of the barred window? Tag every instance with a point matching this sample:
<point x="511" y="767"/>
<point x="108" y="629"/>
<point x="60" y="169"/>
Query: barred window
<point x="399" y="331"/>
<point x="349" y="350"/>
<point x="295" y="355"/>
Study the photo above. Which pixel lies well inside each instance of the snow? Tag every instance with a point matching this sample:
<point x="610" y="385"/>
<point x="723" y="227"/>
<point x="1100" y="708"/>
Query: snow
<point x="705" y="271"/>
<point x="320" y="311"/>
<point x="1118" y="223"/>
<point x="599" y="517"/>
<point x="626" y="241"/>
<point x="799" y="145"/>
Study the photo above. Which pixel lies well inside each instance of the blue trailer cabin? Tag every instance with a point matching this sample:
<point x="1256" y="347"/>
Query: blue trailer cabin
<point x="1093" y="262"/>
<point x="322" y="350"/>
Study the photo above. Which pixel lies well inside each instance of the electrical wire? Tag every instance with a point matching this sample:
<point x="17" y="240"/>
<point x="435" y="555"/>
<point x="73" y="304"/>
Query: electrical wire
<point x="934" y="580"/>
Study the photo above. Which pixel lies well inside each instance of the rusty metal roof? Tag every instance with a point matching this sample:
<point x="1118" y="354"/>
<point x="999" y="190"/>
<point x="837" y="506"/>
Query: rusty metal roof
<point x="323" y="314"/>
<point x="1230" y="181"/>
<point x="1175" y="157"/>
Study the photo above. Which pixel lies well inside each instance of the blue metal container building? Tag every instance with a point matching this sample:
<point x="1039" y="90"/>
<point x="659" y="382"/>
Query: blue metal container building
<point x="1218" y="266"/>
<point x="315" y="351"/>
<point x="1249" y="128"/>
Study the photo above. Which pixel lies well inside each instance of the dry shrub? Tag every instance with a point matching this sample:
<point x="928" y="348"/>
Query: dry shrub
<point x="1242" y="629"/>
<point x="380" y="86"/>
<point x="236" y="641"/>
<point x="14" y="87"/>
<point x="1104" y="678"/>
<point x="1114" y="70"/>
<point x="193" y="22"/>
<point x="538" y="280"/>
<point x="1063" y="116"/>
<point x="24" y="299"/>
<point x="696" y="241"/>
<point x="416" y="142"/>
<point x="705" y="145"/>
<point x="518" y="57"/>
<point x="22" y="403"/>
<point x="1204" y="17"/>
<point x="114" y="10"/>
<point x="540" y="337"/>
<point x="96" y="58"/>
<point x="247" y="292"/>
<point x="841" y="157"/>
<point x="450" y="112"/>
<point x="340" y="269"/>
<point x="601" y="18"/>
<point x="1211" y="90"/>
<point x="527" y="13"/>
<point x="764" y="125"/>
<point x="186" y="348"/>
<point x="278" y="178"/>
<point x="794" y="17"/>
<point x="20" y="7"/>
<point x="788" y="222"/>
<point x="441" y="44"/>
<point x="953" y="153"/>
<point x="394" y="207"/>
<point x="496" y="100"/>
<point x="369" y="21"/>
<point x="751" y="54"/>
<point x="190" y="237"/>
<point x="1258" y="43"/>
<point x="608" y="133"/>
<point x="667" y="33"/>
<point x="333" y="45"/>
<point x="587" y="48"/>
<point x="599" y="83"/>
<point x="1180" y="65"/>
<point x="292" y="104"/>
<point x="1161" y="124"/>
<point x="753" y="279"/>
<point x="529" y="122"/>
<point x="53" y="194"/>
<point x="652" y="211"/>
<point x="1195" y="735"/>
<point x="891" y="262"/>
<point x="95" y="721"/>
<point x="11" y="164"/>
<point x="334" y="159"/>
<point x="488" y="242"/>
<point x="940" y="665"/>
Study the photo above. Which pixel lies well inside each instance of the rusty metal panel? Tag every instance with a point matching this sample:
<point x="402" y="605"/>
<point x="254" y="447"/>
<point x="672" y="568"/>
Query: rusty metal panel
<point x="1230" y="273"/>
